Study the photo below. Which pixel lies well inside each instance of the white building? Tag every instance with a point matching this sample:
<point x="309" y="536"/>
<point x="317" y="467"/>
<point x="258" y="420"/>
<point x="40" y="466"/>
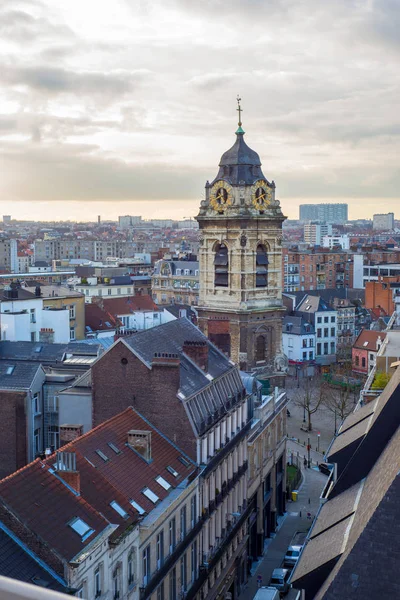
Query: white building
<point x="363" y="273"/>
<point x="331" y="241"/>
<point x="383" y="222"/>
<point x="314" y="232"/>
<point x="323" y="317"/>
<point x="23" y="318"/>
<point x="298" y="339"/>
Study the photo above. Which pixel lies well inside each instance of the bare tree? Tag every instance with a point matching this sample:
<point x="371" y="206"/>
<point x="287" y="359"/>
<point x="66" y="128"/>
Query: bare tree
<point x="310" y="397"/>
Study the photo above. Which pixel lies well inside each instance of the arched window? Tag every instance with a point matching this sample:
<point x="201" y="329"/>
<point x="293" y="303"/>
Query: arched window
<point x="221" y="265"/>
<point x="260" y="348"/>
<point x="261" y="266"/>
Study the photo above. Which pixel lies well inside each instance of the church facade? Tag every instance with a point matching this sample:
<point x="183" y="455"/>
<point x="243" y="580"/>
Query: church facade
<point x="240" y="301"/>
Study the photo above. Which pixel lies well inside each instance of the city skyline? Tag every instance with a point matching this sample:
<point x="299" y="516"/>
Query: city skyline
<point x="128" y="111"/>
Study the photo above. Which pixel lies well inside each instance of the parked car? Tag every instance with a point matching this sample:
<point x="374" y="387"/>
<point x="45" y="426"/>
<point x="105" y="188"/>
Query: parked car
<point x="325" y="468"/>
<point x="279" y="580"/>
<point x="292" y="556"/>
<point x="267" y="593"/>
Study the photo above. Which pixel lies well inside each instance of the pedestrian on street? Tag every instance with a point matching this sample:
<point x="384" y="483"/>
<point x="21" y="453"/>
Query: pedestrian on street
<point x="259" y="581"/>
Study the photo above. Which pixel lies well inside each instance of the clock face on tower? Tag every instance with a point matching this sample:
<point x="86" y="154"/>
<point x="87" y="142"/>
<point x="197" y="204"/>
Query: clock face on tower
<point x="221" y="195"/>
<point x="261" y="195"/>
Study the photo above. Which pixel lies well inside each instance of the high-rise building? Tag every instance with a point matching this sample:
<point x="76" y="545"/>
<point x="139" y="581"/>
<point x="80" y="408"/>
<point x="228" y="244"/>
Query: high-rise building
<point x="330" y="213"/>
<point x="314" y="232"/>
<point x="128" y="221"/>
<point x="383" y="222"/>
<point x="240" y="300"/>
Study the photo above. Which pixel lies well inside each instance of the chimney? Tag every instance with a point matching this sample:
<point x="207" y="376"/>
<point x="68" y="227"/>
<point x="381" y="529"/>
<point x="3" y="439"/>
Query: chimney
<point x="140" y="441"/>
<point x="197" y="352"/>
<point x="38" y="292"/>
<point x="69" y="433"/>
<point x="165" y="359"/>
<point x="66" y="469"/>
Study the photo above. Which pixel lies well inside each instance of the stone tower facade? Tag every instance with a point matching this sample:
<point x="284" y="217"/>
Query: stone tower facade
<point x="240" y="303"/>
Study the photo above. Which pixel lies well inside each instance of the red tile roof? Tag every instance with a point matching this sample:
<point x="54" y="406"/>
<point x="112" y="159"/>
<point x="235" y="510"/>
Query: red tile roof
<point x="127" y="472"/>
<point x="42" y="502"/>
<point x="127" y="305"/>
<point x="369" y="336"/>
<point x="99" y="319"/>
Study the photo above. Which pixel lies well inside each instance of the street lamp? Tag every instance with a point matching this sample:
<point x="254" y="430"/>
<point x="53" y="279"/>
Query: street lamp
<point x="318" y="436"/>
<point x="304" y="413"/>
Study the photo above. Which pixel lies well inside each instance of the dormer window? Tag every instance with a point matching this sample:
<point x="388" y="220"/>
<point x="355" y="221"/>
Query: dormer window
<point x="221" y="266"/>
<point x="261" y="266"/>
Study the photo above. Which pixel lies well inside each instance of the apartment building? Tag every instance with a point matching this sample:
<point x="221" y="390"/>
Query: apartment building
<point x="298" y="339"/>
<point x="330" y="213"/>
<point x="114" y="287"/>
<point x="97" y="250"/>
<point x="383" y="222"/>
<point x="365" y="350"/>
<point x="175" y="282"/>
<point x="316" y="269"/>
<point x="324" y="320"/>
<point x="9" y="255"/>
<point x="314" y="232"/>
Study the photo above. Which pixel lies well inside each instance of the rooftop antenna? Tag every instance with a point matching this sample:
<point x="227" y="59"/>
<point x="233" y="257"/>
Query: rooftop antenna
<point x="240" y="110"/>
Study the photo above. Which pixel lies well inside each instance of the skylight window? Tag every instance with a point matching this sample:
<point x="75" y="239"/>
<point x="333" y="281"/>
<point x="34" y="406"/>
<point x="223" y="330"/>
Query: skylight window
<point x="102" y="455"/>
<point x="10" y="370"/>
<point x="81" y="528"/>
<point x="38" y="349"/>
<point x="119" y="509"/>
<point x="150" y="495"/>
<point x="140" y="510"/>
<point x="114" y="448"/>
<point x="172" y="471"/>
<point x="184" y="461"/>
<point x="161" y="481"/>
<point x="365" y="344"/>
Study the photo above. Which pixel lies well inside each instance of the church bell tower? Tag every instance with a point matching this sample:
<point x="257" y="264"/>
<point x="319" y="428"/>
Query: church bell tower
<point x="240" y="302"/>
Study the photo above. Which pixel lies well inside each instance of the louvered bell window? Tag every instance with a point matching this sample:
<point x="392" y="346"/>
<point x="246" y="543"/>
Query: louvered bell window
<point x="221" y="266"/>
<point x="261" y="267"/>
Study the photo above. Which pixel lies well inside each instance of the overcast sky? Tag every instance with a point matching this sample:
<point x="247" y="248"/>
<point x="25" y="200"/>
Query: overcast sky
<point x="125" y="107"/>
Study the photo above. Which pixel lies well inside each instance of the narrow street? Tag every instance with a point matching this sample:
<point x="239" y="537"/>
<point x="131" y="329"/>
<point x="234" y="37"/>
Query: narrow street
<point x="295" y="520"/>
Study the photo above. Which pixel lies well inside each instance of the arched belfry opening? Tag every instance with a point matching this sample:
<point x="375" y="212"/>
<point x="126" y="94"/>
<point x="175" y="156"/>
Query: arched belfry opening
<point x="261" y="266"/>
<point x="221" y="266"/>
<point x="260" y="349"/>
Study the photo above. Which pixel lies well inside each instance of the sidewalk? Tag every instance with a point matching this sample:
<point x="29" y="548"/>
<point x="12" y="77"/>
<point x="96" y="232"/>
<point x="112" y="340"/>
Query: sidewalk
<point x="295" y="520"/>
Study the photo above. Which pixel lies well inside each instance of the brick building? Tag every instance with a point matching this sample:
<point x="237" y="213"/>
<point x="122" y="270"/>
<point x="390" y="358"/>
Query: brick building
<point x="381" y="294"/>
<point x="365" y="349"/>
<point x="316" y="268"/>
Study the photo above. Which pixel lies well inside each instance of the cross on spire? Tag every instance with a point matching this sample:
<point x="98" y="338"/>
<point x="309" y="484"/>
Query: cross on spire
<point x="240" y="110"/>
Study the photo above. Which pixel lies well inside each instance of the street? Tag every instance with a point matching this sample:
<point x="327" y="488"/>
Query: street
<point x="296" y="519"/>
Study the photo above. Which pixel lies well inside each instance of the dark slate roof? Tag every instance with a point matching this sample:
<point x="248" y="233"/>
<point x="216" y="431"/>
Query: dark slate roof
<point x="175" y="309"/>
<point x="297" y="326"/>
<point x="240" y="163"/>
<point x="21" y="377"/>
<point x="44" y="353"/>
<point x="192" y="265"/>
<point x="329" y="294"/>
<point x="315" y="304"/>
<point x="19" y="563"/>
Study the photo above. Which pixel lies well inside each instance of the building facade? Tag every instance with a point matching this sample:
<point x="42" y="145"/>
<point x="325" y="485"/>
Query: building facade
<point x="331" y="213"/>
<point x="383" y="222"/>
<point x="298" y="337"/>
<point x="316" y="269"/>
<point x="314" y="232"/>
<point x="175" y="282"/>
<point x="240" y="300"/>
<point x="323" y="317"/>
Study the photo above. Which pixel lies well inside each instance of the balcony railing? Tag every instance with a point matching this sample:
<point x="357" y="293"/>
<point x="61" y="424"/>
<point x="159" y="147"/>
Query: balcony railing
<point x="223" y="452"/>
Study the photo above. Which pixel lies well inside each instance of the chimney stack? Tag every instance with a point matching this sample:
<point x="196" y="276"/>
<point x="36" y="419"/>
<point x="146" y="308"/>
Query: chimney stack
<point x="197" y="352"/>
<point x="66" y="469"/>
<point x="141" y="442"/>
<point x="69" y="433"/>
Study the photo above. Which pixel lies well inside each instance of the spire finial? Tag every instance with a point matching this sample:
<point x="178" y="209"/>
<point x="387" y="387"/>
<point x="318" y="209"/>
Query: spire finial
<point x="240" y="110"/>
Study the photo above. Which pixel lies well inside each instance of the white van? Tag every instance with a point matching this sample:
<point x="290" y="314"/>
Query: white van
<point x="267" y="593"/>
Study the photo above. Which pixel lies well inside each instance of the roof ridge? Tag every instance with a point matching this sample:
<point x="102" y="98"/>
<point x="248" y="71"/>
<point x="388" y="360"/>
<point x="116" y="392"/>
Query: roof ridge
<point x="24" y="468"/>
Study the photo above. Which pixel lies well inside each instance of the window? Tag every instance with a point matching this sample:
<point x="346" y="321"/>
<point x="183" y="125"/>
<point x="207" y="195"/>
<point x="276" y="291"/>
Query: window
<point x="109" y="291"/>
<point x="332" y="347"/>
<point x="36" y="442"/>
<point x="261" y="266"/>
<point x="326" y="348"/>
<point x="72" y="333"/>
<point x="304" y="343"/>
<point x="183" y="573"/>
<point x="140" y="510"/>
<point x="32" y="315"/>
<point x="119" y="509"/>
<point x="319" y="319"/>
<point x="160" y="549"/>
<point x="131" y="568"/>
<point x="326" y="331"/>
<point x="114" y="448"/>
<point x="357" y="361"/>
<point x="72" y="311"/>
<point x="290" y="342"/>
<point x="221" y="266"/>
<point x="311" y="343"/>
<point x="172" y="584"/>
<point x="81" y="528"/>
<point x="185" y="462"/>
<point x="333" y="333"/>
<point x="116" y="577"/>
<point x="36" y="404"/>
<point x="310" y="356"/>
<point x="33" y="336"/>
<point x="172" y="534"/>
<point x="193" y="511"/>
<point x="146" y="565"/>
<point x="183" y="521"/>
<point x="97" y="583"/>
<point x="160" y="591"/>
<point x="363" y="362"/>
<point x="260" y="348"/>
<point x="80" y="593"/>
<point x="172" y="471"/>
<point x="332" y="319"/>
<point x="150" y="495"/>
<point x="304" y="355"/>
<point x="160" y="480"/>
<point x="53" y="436"/>
<point x="319" y="333"/>
<point x="193" y="559"/>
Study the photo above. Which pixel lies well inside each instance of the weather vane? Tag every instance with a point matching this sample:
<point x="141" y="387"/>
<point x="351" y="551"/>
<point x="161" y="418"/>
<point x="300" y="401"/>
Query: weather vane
<point x="240" y="110"/>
